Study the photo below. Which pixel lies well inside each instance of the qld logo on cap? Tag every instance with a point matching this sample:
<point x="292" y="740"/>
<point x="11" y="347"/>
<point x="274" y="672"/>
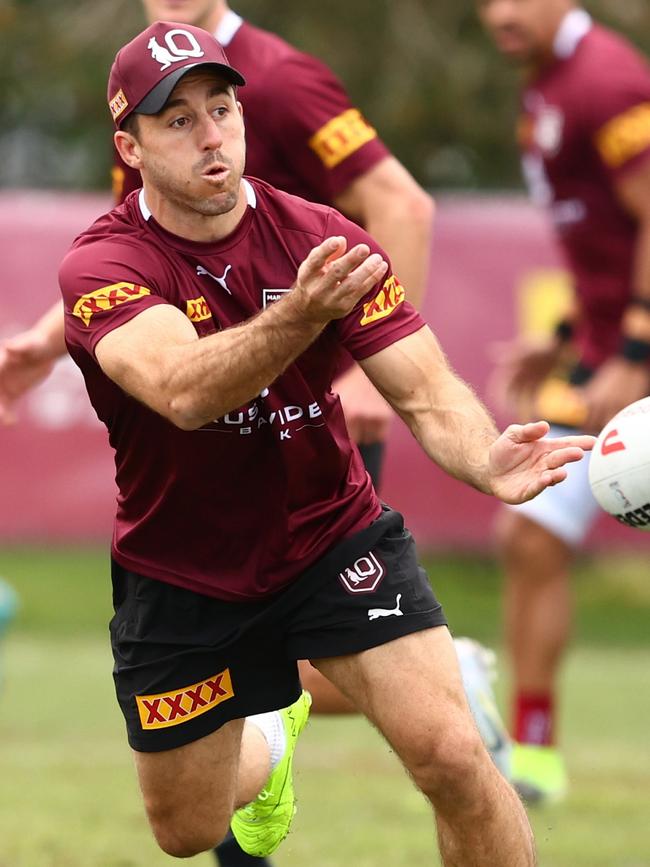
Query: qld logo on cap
<point x="174" y="52"/>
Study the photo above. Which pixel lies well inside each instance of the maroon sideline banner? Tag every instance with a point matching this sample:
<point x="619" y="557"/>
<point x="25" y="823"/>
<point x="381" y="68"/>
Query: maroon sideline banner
<point x="494" y="271"/>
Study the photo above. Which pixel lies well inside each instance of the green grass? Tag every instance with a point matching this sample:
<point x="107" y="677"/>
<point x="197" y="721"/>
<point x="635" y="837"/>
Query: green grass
<point x="68" y="795"/>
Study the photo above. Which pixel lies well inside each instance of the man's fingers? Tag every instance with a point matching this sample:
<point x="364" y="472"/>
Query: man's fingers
<point x="327" y="251"/>
<point x="560" y="457"/>
<point x="527" y="433"/>
<point x="582" y="441"/>
<point x="367" y="274"/>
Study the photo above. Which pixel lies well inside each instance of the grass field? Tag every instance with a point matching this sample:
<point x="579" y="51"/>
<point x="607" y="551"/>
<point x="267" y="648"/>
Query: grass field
<point x="68" y="796"/>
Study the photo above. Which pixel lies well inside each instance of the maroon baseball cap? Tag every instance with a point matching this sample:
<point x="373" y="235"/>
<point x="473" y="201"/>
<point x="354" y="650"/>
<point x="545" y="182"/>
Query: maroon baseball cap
<point x="146" y="70"/>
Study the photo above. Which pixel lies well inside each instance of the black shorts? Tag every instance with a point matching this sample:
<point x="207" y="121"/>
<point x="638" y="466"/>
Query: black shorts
<point x="185" y="663"/>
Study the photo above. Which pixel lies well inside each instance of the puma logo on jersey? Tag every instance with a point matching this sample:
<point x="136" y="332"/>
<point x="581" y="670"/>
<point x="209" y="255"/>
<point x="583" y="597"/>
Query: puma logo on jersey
<point x="375" y="613"/>
<point x="203" y="272"/>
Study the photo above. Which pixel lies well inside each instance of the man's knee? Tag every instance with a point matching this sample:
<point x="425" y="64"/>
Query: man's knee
<point x="526" y="545"/>
<point x="448" y="766"/>
<point x="182" y="834"/>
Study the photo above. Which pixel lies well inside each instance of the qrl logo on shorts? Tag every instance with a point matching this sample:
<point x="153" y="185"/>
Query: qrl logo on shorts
<point x="364" y="575"/>
<point x="172" y="708"/>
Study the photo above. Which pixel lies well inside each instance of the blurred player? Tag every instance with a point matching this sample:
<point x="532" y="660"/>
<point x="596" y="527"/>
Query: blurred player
<point x="248" y="534"/>
<point x="8" y="605"/>
<point x="584" y="133"/>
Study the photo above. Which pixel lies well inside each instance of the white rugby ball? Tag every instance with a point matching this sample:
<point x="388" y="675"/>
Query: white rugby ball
<point x="619" y="466"/>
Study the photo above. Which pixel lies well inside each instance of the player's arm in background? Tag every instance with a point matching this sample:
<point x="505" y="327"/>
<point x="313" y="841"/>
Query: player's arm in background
<point x="619" y="124"/>
<point x="28" y="358"/>
<point x="398" y="214"/>
<point x="457" y="432"/>
<point x="341" y="156"/>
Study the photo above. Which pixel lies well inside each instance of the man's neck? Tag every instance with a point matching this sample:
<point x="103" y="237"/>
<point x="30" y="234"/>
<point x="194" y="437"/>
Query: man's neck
<point x="212" y="21"/>
<point x="188" y="224"/>
<point x="574" y="24"/>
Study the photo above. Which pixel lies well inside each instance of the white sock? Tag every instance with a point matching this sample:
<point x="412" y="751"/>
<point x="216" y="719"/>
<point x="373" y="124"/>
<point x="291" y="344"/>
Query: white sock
<point x="272" y="727"/>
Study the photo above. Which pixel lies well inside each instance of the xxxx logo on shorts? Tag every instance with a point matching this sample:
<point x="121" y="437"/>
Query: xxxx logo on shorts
<point x="107" y="298"/>
<point x="389" y="297"/>
<point x="173" y="708"/>
<point x="198" y="310"/>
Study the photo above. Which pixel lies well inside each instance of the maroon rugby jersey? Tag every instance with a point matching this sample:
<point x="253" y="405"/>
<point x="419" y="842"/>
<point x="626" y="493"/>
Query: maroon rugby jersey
<point x="303" y="135"/>
<point x="242" y="506"/>
<point x="586" y="121"/>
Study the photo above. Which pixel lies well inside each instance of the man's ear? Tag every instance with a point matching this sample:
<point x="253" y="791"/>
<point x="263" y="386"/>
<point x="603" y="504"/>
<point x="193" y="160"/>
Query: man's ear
<point x="128" y="148"/>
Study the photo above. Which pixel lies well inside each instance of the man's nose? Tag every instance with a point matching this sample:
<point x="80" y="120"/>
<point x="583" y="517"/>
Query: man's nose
<point x="210" y="137"/>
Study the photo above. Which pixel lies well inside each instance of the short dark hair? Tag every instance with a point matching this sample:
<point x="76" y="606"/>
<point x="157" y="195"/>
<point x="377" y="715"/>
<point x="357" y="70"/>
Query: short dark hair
<point x="131" y="125"/>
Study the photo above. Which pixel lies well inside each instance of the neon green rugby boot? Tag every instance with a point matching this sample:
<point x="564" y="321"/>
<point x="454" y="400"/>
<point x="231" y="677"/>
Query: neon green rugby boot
<point x="260" y="827"/>
<point x="539" y="774"/>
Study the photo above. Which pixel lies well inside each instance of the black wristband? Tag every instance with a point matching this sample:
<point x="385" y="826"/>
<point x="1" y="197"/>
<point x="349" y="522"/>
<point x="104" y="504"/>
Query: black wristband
<point x="563" y="331"/>
<point x="635" y="350"/>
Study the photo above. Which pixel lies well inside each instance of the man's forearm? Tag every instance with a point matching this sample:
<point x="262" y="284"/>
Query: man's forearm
<point x="49" y="332"/>
<point x="208" y="378"/>
<point x="443" y="413"/>
<point x="455" y="430"/>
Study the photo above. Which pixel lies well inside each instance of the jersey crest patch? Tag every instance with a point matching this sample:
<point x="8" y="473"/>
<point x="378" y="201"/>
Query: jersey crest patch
<point x="270" y="296"/>
<point x="390" y="296"/>
<point x="198" y="310"/>
<point x="107" y="298"/>
<point x="341" y="137"/>
<point x="173" y="708"/>
<point x="625" y="136"/>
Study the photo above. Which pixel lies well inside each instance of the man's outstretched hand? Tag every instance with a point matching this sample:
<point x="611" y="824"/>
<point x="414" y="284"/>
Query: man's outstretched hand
<point x="522" y="462"/>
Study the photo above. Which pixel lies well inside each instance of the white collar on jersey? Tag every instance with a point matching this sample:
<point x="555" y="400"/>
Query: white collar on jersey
<point x="251" y="199"/>
<point x="230" y="24"/>
<point x="574" y="27"/>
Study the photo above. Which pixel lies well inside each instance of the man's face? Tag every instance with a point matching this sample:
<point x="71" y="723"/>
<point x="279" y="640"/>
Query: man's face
<point x="523" y="30"/>
<point x="195" y="12"/>
<point x="193" y="151"/>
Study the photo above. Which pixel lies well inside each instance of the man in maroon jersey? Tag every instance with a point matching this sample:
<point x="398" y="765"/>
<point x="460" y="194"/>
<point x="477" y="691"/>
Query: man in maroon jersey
<point x="248" y="534"/>
<point x="585" y="139"/>
<point x="318" y="146"/>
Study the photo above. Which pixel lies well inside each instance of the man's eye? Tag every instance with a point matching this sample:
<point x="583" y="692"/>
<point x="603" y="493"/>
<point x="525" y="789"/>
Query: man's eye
<point x="220" y="111"/>
<point x="179" y="122"/>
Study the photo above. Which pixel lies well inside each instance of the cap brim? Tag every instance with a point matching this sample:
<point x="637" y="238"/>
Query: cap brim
<point x="155" y="100"/>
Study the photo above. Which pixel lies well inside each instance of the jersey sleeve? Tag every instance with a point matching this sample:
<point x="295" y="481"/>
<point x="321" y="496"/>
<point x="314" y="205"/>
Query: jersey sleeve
<point x="326" y="140"/>
<point x="383" y="316"/>
<point x="619" y="118"/>
<point x="102" y="291"/>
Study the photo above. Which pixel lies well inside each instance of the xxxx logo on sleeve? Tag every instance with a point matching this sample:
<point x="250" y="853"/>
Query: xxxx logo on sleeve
<point x="388" y="298"/>
<point x="198" y="310"/>
<point x="107" y="298"/>
<point x="173" y="708"/>
<point x="341" y="136"/>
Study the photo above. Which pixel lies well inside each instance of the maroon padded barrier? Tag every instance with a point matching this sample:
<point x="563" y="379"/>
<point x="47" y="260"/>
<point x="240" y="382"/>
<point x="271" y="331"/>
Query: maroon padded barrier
<point x="56" y="470"/>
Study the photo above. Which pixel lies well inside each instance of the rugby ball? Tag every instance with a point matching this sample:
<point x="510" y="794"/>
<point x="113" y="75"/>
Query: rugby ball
<point x="619" y="466"/>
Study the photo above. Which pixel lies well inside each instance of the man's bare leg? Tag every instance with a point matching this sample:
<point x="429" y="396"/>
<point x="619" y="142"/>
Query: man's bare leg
<point x="411" y="690"/>
<point x="191" y="792"/>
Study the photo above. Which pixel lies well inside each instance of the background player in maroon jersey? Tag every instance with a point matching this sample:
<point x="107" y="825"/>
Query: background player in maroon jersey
<point x="239" y="489"/>
<point x="585" y="140"/>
